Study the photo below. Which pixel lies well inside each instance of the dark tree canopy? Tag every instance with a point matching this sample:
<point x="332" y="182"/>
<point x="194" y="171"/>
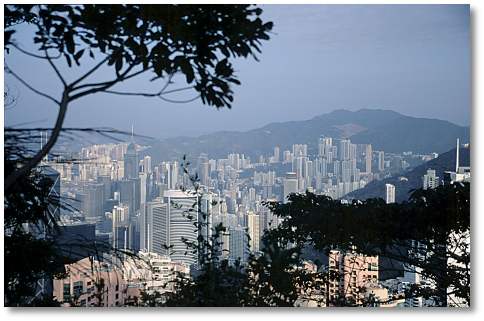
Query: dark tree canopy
<point x="437" y="219"/>
<point x="197" y="41"/>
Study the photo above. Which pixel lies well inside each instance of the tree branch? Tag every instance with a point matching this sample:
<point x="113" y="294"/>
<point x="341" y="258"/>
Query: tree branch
<point x="87" y="74"/>
<point x="104" y="87"/>
<point x="32" y="54"/>
<point x="34" y="161"/>
<point x="114" y="92"/>
<point x="38" y="92"/>
<point x="160" y="93"/>
<point x="179" y="101"/>
<point x="104" y="83"/>
<point x="55" y="68"/>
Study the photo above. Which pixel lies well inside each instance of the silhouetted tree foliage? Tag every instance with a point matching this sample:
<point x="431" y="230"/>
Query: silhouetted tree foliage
<point x="197" y="41"/>
<point x="437" y="219"/>
<point x="28" y="259"/>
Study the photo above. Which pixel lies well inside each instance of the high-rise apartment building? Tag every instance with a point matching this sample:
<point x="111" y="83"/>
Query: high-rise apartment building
<point x="93" y="200"/>
<point x="238" y="244"/>
<point x="353" y="272"/>
<point x="368" y="158"/>
<point x="299" y="150"/>
<point x="147" y="164"/>
<point x="173" y="225"/>
<point x="121" y="226"/>
<point x="290" y="185"/>
<point x="131" y="165"/>
<point x="130" y="194"/>
<point x="430" y="180"/>
<point x="390" y="193"/>
<point x="253" y="225"/>
<point x="325" y="145"/>
<point x="276" y="156"/>
<point x="381" y="161"/>
<point x="344" y="149"/>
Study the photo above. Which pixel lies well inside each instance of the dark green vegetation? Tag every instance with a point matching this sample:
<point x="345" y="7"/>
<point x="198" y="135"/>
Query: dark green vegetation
<point x="445" y="162"/>
<point x="437" y="219"/>
<point x="198" y="42"/>
<point x="385" y="130"/>
<point x="27" y="202"/>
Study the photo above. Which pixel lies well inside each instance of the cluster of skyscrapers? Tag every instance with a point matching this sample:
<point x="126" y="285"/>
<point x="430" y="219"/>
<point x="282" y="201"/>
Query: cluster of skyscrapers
<point x="161" y="209"/>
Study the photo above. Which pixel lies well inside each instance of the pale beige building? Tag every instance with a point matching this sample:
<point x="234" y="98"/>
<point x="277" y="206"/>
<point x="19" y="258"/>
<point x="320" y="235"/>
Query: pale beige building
<point x="254" y="231"/>
<point x="151" y="272"/>
<point x="350" y="274"/>
<point x="90" y="283"/>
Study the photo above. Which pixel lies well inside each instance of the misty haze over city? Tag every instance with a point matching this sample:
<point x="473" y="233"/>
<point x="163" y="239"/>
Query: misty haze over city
<point x="410" y="59"/>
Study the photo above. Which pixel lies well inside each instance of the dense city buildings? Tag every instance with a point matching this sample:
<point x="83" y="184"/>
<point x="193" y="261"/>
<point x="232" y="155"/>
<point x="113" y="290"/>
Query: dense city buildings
<point x="390" y="193"/>
<point x="161" y="210"/>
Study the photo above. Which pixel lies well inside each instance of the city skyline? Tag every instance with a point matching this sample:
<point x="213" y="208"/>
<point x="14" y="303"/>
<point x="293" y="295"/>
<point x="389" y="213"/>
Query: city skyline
<point x="279" y="155"/>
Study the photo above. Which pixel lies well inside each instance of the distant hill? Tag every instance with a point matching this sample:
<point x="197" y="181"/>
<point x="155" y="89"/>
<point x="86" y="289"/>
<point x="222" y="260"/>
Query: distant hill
<point x="420" y="135"/>
<point x="445" y="162"/>
<point x="384" y="129"/>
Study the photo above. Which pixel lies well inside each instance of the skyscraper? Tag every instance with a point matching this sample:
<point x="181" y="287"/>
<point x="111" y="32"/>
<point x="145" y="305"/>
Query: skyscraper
<point x="173" y="225"/>
<point x="430" y="180"/>
<point x="381" y="161"/>
<point x="154" y="227"/>
<point x="368" y="158"/>
<point x="344" y="149"/>
<point x="290" y="185"/>
<point x="129" y="192"/>
<point x="325" y="146"/>
<point x="93" y="200"/>
<point x="172" y="175"/>
<point x="131" y="162"/>
<point x="254" y="231"/>
<point x="276" y="154"/>
<point x="238" y="244"/>
<point x="147" y="164"/>
<point x="120" y="219"/>
<point x="390" y="193"/>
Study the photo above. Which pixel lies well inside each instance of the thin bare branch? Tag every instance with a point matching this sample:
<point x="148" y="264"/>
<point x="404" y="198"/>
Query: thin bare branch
<point x="87" y="74"/>
<point x="177" y="90"/>
<point x="179" y="101"/>
<point x="32" y="162"/>
<point x="32" y="54"/>
<point x="146" y="94"/>
<point x="106" y="85"/>
<point x="122" y="93"/>
<point x="55" y="68"/>
<point x="38" y="92"/>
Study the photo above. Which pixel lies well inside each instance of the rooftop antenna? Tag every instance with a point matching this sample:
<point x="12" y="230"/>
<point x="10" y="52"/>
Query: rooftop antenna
<point x="457" y="157"/>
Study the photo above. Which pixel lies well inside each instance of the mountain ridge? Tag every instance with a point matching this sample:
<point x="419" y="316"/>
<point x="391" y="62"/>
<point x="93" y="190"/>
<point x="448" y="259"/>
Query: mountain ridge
<point x="384" y="129"/>
<point x="444" y="162"/>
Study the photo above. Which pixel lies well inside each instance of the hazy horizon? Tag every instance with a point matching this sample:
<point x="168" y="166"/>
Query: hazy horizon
<point x="412" y="59"/>
<point x="303" y="119"/>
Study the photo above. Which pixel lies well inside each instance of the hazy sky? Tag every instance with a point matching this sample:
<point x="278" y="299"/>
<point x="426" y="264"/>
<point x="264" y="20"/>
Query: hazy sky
<point x="414" y="59"/>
